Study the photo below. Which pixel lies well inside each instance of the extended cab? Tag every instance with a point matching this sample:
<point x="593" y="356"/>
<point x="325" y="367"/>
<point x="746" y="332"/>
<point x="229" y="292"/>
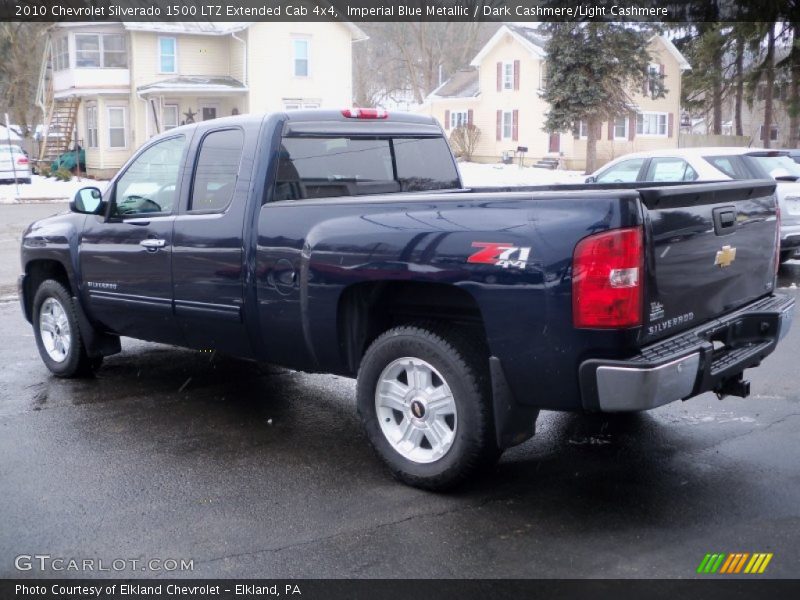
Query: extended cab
<point x="343" y="242"/>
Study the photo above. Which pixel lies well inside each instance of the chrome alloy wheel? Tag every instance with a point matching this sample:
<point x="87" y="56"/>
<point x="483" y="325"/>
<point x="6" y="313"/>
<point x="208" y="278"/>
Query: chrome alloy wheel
<point x="416" y="410"/>
<point x="54" y="329"/>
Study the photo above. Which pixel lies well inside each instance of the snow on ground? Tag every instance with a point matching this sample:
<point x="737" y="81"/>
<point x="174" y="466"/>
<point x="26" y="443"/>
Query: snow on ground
<point x="45" y="188"/>
<point x="478" y="174"/>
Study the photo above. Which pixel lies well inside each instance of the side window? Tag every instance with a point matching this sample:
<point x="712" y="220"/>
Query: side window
<point x="732" y="166"/>
<point x="670" y="169"/>
<point x="149" y="183"/>
<point x="625" y="172"/>
<point x="217" y="170"/>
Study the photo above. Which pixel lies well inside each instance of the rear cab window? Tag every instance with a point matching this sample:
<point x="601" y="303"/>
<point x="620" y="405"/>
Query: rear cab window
<point x="333" y="166"/>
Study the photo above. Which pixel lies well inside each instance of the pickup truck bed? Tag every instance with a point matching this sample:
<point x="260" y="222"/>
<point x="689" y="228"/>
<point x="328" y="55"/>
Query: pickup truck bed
<point x="336" y="243"/>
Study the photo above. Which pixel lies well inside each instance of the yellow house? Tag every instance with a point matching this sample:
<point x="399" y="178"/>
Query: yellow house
<point x="501" y="92"/>
<point x="110" y="87"/>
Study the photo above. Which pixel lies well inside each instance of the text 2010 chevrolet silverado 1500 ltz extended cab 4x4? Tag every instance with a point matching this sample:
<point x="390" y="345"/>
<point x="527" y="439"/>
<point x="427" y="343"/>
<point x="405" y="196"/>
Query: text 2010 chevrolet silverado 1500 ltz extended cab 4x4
<point x="342" y="242"/>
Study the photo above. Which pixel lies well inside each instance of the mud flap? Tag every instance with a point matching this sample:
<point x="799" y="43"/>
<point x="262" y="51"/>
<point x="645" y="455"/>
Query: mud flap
<point x="514" y="423"/>
<point x="97" y="343"/>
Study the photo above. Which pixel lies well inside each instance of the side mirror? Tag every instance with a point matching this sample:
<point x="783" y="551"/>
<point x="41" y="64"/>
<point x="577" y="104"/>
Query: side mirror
<point x="87" y="201"/>
<point x="591" y="179"/>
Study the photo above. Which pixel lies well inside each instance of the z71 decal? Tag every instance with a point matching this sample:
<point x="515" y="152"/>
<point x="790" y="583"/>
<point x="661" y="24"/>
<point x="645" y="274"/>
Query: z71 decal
<point x="500" y="254"/>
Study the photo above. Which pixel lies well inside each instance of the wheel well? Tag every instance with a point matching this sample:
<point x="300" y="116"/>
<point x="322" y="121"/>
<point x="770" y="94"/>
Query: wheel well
<point x="38" y="271"/>
<point x="366" y="310"/>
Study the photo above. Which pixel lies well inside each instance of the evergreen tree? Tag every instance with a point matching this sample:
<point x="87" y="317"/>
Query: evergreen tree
<point x="593" y="69"/>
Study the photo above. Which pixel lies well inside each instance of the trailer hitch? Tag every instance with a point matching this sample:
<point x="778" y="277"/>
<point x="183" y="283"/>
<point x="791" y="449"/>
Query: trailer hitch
<point x="733" y="386"/>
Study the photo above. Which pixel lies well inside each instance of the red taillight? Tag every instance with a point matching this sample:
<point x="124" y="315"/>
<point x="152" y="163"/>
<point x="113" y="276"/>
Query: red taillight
<point x="22" y="160"/>
<point x="607" y="270"/>
<point x="365" y="113"/>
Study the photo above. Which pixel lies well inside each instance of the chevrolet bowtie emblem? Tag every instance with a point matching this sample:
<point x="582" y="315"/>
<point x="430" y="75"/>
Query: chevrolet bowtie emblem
<point x="725" y="256"/>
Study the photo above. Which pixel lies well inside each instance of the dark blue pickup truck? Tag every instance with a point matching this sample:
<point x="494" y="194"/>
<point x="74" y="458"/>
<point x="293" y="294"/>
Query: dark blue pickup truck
<point x="343" y="242"/>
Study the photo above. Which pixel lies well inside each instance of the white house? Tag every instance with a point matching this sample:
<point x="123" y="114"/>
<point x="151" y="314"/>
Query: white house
<point x="112" y="86"/>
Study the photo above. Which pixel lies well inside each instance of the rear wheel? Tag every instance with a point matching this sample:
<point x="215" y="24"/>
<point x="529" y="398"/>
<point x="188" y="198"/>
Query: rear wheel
<point x="787" y="255"/>
<point x="424" y="401"/>
<point x="55" y="327"/>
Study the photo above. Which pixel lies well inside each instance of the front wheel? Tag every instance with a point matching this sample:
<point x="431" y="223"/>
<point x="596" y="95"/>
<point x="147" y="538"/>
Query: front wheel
<point x="424" y="400"/>
<point x="55" y="327"/>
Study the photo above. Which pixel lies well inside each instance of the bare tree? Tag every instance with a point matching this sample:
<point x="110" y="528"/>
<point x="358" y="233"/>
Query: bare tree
<point x="411" y="59"/>
<point x="21" y="46"/>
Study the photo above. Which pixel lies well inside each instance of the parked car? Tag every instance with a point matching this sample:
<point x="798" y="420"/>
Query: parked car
<point x="794" y="153"/>
<point x="14" y="165"/>
<point x="293" y="239"/>
<point x="717" y="164"/>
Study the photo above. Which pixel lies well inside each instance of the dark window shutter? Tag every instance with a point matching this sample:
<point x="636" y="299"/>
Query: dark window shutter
<point x="515" y="125"/>
<point x="516" y="74"/>
<point x="447" y="119"/>
<point x="671" y="125"/>
<point x="632" y="127"/>
<point x="661" y="70"/>
<point x="611" y="129"/>
<point x="469" y="117"/>
<point x="499" y="125"/>
<point x="576" y="132"/>
<point x="499" y="76"/>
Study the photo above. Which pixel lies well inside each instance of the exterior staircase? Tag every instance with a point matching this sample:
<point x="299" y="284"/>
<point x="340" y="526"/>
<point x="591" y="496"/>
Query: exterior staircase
<point x="58" y="115"/>
<point x="548" y="162"/>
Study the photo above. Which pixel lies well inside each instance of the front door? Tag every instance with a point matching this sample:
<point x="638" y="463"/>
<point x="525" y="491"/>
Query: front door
<point x="126" y="256"/>
<point x="209" y="112"/>
<point x="554" y="144"/>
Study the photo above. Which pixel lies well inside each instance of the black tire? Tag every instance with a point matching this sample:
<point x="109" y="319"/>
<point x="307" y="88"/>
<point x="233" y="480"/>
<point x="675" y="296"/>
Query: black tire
<point x="786" y="255"/>
<point x="77" y="363"/>
<point x="463" y="365"/>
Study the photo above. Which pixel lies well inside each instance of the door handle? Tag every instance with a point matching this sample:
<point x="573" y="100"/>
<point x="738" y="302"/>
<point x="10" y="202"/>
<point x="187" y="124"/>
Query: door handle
<point x="152" y="244"/>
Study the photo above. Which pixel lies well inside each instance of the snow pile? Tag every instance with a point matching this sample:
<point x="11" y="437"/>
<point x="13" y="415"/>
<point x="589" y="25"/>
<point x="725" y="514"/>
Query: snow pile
<point x="46" y="189"/>
<point x="478" y="174"/>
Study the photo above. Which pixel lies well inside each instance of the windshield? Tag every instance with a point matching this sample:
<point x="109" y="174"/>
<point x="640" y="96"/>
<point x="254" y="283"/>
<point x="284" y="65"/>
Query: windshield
<point x="777" y="166"/>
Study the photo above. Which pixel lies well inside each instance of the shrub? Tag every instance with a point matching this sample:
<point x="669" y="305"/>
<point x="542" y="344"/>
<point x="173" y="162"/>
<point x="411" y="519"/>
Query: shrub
<point x="464" y="140"/>
<point x="62" y="174"/>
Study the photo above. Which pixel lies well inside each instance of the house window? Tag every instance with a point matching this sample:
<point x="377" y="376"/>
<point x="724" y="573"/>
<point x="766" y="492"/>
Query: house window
<point x="167" y="55"/>
<point x="542" y="75"/>
<point x="583" y="129"/>
<point x="507" y="124"/>
<point x="773" y="133"/>
<point x="116" y="127"/>
<point x="170" y="115"/>
<point x="60" y="53"/>
<point x="91" y="126"/>
<point x="87" y="51"/>
<point x="508" y="76"/>
<point x="300" y="57"/>
<point x="115" y="55"/>
<point x="621" y="128"/>
<point x="652" y="124"/>
<point x="291" y="106"/>
<point x="99" y="51"/>
<point x="458" y="118"/>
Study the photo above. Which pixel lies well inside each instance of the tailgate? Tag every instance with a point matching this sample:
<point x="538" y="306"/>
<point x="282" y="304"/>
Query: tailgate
<point x="710" y="250"/>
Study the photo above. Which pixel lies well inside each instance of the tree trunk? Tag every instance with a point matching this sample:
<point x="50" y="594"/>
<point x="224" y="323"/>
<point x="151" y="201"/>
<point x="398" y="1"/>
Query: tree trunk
<point x="716" y="104"/>
<point x="794" y="90"/>
<point x="769" y="72"/>
<point x="737" y="107"/>
<point x="593" y="125"/>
